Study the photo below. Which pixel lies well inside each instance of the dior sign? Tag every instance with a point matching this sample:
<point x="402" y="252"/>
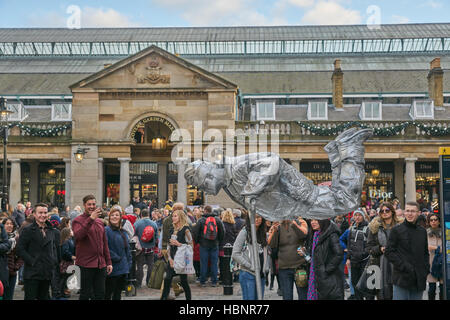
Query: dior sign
<point x="381" y="194"/>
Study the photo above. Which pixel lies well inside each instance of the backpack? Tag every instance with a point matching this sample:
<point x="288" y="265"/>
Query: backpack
<point x="147" y="234"/>
<point x="157" y="275"/>
<point x="436" y="265"/>
<point x="210" y="229"/>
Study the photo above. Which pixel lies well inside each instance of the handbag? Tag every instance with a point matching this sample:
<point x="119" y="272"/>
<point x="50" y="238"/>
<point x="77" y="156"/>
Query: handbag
<point x="361" y="286"/>
<point x="436" y="265"/>
<point x="183" y="260"/>
<point x="301" y="278"/>
<point x="63" y="265"/>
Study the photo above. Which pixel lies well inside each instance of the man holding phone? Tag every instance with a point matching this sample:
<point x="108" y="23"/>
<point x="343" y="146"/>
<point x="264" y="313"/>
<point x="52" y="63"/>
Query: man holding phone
<point x="92" y="250"/>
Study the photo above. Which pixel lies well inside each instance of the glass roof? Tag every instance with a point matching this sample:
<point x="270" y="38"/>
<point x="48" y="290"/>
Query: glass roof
<point x="320" y="40"/>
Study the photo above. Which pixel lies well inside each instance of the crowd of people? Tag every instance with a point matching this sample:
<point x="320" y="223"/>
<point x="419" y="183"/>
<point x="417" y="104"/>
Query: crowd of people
<point x="320" y="258"/>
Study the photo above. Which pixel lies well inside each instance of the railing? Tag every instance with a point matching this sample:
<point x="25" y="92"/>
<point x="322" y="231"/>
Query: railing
<point x="299" y="129"/>
<point x="41" y="129"/>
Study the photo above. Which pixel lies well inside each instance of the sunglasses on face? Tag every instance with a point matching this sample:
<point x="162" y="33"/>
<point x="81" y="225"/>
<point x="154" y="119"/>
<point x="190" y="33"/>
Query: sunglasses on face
<point x="387" y="210"/>
<point x="434" y="220"/>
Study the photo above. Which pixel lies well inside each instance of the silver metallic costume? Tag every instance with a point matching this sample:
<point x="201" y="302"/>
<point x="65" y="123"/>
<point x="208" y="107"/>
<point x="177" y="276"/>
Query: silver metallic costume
<point x="279" y="190"/>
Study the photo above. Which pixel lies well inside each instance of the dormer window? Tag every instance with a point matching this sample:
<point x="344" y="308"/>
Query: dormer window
<point x="61" y="112"/>
<point x="422" y="109"/>
<point x="265" y="110"/>
<point x="318" y="110"/>
<point x="371" y="110"/>
<point x="18" y="111"/>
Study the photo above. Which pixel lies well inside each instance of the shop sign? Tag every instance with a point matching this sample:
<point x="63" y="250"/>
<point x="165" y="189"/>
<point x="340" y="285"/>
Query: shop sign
<point x="315" y="167"/>
<point x="427" y="167"/>
<point x="381" y="194"/>
<point x="142" y="123"/>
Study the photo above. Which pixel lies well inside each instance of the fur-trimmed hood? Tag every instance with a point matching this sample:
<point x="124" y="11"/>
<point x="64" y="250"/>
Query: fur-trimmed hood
<point x="376" y="222"/>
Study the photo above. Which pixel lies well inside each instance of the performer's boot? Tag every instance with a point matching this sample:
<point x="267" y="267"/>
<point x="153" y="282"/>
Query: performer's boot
<point x="333" y="154"/>
<point x="351" y="146"/>
<point x="352" y="174"/>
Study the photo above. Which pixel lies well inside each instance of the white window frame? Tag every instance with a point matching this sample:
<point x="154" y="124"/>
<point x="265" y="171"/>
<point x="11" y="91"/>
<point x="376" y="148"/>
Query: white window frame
<point x="258" y="117"/>
<point x="310" y="117"/>
<point x="20" y="115"/>
<point x="362" y="111"/>
<point x="69" y="117"/>
<point x="413" y="110"/>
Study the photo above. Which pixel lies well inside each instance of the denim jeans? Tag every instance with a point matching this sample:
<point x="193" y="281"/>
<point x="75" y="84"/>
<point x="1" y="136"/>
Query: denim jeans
<point x="287" y="281"/>
<point x="211" y="254"/>
<point x="405" y="294"/>
<point x="248" y="285"/>
<point x="9" y="289"/>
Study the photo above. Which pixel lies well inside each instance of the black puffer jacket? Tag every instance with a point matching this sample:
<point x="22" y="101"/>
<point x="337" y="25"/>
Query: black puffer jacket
<point x="356" y="245"/>
<point x="41" y="255"/>
<point x="327" y="257"/>
<point x="407" y="250"/>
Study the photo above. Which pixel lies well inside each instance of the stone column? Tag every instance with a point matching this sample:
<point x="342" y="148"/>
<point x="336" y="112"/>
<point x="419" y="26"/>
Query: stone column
<point x="83" y="175"/>
<point x="162" y="183"/>
<point x="399" y="182"/>
<point x="124" y="197"/>
<point x="296" y="164"/>
<point x="182" y="184"/>
<point x="15" y="186"/>
<point x="101" y="182"/>
<point x="68" y="181"/>
<point x="410" y="179"/>
<point x="34" y="182"/>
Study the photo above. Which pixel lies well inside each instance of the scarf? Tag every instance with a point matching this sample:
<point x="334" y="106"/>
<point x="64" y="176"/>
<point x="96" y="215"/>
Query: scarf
<point x="312" y="290"/>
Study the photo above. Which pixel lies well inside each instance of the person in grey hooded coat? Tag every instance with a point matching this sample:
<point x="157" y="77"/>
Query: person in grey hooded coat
<point x="243" y="255"/>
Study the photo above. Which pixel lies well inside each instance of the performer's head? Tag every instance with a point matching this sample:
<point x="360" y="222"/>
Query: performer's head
<point x="205" y="175"/>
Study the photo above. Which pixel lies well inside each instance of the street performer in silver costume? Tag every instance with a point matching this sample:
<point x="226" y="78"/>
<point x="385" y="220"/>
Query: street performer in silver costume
<point x="279" y="191"/>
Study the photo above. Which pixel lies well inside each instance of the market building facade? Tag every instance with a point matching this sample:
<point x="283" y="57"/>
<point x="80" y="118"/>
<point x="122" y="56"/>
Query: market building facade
<point x="121" y="97"/>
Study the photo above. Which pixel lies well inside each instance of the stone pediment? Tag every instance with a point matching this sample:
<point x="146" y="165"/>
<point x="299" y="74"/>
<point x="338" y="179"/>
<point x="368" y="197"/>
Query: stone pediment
<point x="153" y="68"/>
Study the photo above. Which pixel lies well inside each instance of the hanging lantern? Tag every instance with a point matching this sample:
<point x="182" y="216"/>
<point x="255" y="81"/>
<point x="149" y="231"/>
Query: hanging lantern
<point x="375" y="172"/>
<point x="159" y="142"/>
<point x="51" y="171"/>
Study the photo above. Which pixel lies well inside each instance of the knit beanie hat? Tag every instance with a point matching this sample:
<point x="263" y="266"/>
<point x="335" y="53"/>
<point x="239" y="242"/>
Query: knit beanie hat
<point x="361" y="212"/>
<point x="129" y="209"/>
<point x="55" y="220"/>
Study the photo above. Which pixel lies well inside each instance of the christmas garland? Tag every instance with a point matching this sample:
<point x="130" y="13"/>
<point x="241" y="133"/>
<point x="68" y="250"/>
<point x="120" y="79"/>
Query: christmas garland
<point x="323" y="130"/>
<point x="36" y="132"/>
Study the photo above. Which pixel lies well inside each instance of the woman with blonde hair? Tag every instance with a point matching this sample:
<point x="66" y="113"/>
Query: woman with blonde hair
<point x="180" y="234"/>
<point x="119" y="250"/>
<point x="230" y="234"/>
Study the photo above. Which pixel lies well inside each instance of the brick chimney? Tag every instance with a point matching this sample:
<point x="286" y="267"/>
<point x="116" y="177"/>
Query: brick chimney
<point x="435" y="82"/>
<point x="338" y="86"/>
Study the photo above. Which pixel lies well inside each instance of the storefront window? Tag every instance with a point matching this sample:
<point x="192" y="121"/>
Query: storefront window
<point x="379" y="182"/>
<point x="427" y="184"/>
<point x="318" y="172"/>
<point x="144" y="180"/>
<point x="195" y="197"/>
<point x="25" y="175"/>
<point x="172" y="181"/>
<point x="52" y="184"/>
<point x="112" y="194"/>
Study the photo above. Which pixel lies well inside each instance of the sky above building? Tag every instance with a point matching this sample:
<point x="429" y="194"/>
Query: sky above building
<point x="187" y="13"/>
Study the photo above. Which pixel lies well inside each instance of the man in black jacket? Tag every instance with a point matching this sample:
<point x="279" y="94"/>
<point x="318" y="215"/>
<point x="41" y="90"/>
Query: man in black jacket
<point x="407" y="250"/>
<point x="39" y="246"/>
<point x="209" y="249"/>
